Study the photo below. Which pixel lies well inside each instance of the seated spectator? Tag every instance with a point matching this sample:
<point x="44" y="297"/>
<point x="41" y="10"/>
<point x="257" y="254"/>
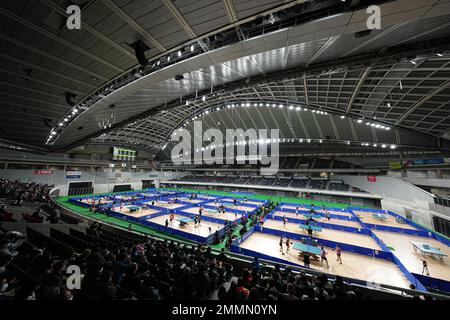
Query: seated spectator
<point x="5" y="215"/>
<point x="241" y="291"/>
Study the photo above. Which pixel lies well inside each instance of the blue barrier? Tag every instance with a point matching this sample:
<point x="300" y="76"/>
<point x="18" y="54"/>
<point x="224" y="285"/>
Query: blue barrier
<point x="332" y="215"/>
<point x="419" y="233"/>
<point x="326" y="225"/>
<point x="408" y="275"/>
<point x="434" y="283"/>
<point x="441" y="238"/>
<point x="308" y="206"/>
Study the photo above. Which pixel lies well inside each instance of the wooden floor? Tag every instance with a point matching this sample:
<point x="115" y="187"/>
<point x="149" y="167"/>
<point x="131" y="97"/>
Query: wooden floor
<point x="403" y="249"/>
<point x="164" y="205"/>
<point x="340" y="222"/>
<point x="207" y="212"/>
<point x="390" y="221"/>
<point x="353" y="265"/>
<point x="242" y="201"/>
<point x="328" y="234"/>
<point x="240" y="208"/>
<point x="202" y="230"/>
<point x="140" y="213"/>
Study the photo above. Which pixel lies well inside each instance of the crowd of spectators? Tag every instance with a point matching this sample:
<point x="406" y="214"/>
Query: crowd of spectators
<point x="283" y="284"/>
<point x="151" y="269"/>
<point x="147" y="269"/>
<point x="18" y="193"/>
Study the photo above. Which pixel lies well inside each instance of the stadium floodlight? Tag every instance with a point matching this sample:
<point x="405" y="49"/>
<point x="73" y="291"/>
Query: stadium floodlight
<point x="342" y="117"/>
<point x="298" y="109"/>
<point x="388" y="104"/>
<point x="291" y="107"/>
<point x="383" y="146"/>
<point x="274" y="105"/>
<point x="192" y="48"/>
<point x="280" y="106"/>
<point x="393" y="147"/>
<point x="179" y="54"/>
<point x="359" y="121"/>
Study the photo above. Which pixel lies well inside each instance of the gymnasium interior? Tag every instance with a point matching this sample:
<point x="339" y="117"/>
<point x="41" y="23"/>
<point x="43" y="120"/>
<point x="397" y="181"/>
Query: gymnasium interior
<point x="225" y="150"/>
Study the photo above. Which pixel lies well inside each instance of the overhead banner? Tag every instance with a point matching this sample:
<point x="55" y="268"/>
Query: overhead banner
<point x="395" y="165"/>
<point x="428" y="161"/>
<point x="43" y="172"/>
<point x="372" y="178"/>
<point x="73" y="174"/>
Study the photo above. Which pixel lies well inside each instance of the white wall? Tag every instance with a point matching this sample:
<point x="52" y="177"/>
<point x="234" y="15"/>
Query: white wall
<point x="419" y="213"/>
<point x="389" y="187"/>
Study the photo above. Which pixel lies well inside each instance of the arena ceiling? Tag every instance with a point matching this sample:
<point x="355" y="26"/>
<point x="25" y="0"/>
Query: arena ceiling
<point x="319" y="65"/>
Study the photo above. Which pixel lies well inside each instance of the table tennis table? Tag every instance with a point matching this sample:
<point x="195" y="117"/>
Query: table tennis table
<point x="133" y="208"/>
<point x="306" y="248"/>
<point x="306" y="227"/>
<point x="379" y="216"/>
<point x="184" y="220"/>
<point x="426" y="248"/>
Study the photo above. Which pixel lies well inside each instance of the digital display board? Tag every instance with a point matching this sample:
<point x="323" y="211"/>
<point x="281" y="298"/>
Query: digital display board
<point x="122" y="154"/>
